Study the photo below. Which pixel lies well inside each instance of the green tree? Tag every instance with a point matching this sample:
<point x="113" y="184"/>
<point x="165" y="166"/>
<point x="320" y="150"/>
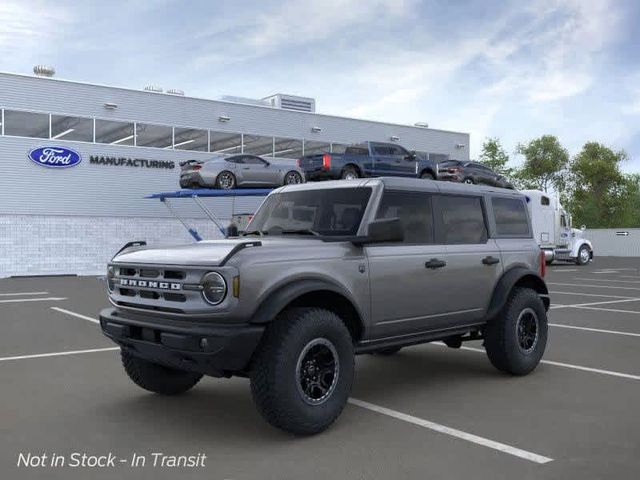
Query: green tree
<point x="495" y="157"/>
<point x="545" y="162"/>
<point x="601" y="195"/>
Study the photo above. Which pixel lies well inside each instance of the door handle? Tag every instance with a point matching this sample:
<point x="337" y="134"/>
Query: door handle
<point x="435" y="263"/>
<point x="490" y="260"/>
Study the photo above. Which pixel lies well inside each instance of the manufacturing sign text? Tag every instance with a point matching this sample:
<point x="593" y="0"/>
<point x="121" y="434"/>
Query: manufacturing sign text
<point x="55" y="157"/>
<point x="131" y="162"/>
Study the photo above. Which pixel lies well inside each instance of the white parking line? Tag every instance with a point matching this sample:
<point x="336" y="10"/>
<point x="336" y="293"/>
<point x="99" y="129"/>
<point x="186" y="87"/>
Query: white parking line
<point x="22" y="293"/>
<point x="577" y="305"/>
<point x="614" y="310"/>
<point x="560" y="364"/>
<point x="74" y="314"/>
<point x="57" y="354"/>
<point x="563" y="270"/>
<point x="594" y="286"/>
<point x="469" y="437"/>
<point x="606" y="280"/>
<point x="587" y="294"/>
<point x="24" y="300"/>
<point x="596" y="330"/>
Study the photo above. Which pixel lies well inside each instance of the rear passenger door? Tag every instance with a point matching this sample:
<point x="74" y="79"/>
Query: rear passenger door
<point x="473" y="262"/>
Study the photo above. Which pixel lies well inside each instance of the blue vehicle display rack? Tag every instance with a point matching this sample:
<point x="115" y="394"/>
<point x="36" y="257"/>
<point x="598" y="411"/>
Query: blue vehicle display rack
<point x="197" y="194"/>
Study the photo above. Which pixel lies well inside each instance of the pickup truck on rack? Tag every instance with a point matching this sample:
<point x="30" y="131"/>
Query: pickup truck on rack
<point x="368" y="159"/>
<point x="325" y="271"/>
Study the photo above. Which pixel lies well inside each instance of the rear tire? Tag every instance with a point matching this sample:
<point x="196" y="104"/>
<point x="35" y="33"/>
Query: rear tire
<point x="349" y="173"/>
<point x="427" y="176"/>
<point x="516" y="338"/>
<point x="469" y="181"/>
<point x="157" y="378"/>
<point x="302" y="373"/>
<point x="292" y="178"/>
<point x="225" y="180"/>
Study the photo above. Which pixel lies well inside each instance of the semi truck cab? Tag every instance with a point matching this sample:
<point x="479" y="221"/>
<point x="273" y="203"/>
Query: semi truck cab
<point x="553" y="230"/>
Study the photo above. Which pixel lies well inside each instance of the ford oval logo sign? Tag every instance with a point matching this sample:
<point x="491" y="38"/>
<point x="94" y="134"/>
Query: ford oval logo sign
<point x="55" y="157"/>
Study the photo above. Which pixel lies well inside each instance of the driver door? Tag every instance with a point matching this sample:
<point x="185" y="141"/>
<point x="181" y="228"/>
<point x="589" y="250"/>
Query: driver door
<point x="254" y="170"/>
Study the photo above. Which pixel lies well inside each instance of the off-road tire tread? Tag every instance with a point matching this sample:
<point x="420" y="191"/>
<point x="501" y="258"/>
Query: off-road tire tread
<point x="275" y="409"/>
<point x="500" y="342"/>
<point x="157" y="378"/>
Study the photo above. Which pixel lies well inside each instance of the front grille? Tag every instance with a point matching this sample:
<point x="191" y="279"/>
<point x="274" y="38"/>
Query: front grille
<point x="156" y="288"/>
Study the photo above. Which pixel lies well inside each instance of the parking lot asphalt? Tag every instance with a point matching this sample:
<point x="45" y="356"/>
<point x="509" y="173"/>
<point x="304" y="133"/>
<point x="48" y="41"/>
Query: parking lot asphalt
<point x="426" y="412"/>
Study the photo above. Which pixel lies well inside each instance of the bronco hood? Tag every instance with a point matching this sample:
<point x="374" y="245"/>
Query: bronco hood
<point x="209" y="253"/>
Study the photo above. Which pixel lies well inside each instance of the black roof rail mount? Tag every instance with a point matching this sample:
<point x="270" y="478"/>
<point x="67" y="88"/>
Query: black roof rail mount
<point x="136" y="243"/>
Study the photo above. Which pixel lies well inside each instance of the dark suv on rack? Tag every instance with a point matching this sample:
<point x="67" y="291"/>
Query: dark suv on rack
<point x="472" y="173"/>
<point x="326" y="271"/>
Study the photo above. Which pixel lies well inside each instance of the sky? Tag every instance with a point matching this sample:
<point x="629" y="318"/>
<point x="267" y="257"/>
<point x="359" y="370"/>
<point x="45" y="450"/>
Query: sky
<point x="508" y="69"/>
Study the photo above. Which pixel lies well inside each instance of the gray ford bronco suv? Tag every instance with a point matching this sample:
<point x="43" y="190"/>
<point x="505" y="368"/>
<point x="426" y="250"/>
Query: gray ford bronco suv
<point x="326" y="271"/>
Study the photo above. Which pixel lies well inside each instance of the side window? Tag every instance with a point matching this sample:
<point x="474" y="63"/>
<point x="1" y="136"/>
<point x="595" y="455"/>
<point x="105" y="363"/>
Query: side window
<point x="252" y="160"/>
<point x="414" y="212"/>
<point x="544" y="200"/>
<point x="460" y="219"/>
<point x="511" y="217"/>
<point x="381" y="150"/>
<point x="563" y="221"/>
<point x="397" y="151"/>
<point x="234" y="160"/>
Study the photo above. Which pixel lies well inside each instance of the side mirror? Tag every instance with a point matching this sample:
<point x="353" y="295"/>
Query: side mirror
<point x="382" y="230"/>
<point x="583" y="228"/>
<point x="266" y="163"/>
<point x="411" y="156"/>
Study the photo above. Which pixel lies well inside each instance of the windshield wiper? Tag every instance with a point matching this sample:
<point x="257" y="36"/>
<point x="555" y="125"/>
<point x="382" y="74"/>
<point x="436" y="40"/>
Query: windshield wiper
<point x="301" y="231"/>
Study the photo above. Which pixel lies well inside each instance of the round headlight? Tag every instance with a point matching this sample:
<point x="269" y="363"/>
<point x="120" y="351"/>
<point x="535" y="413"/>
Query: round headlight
<point x="214" y="288"/>
<point x="111" y="272"/>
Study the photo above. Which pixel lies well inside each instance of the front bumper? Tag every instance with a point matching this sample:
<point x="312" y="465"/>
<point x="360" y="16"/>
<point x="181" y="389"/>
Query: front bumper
<point x="211" y="349"/>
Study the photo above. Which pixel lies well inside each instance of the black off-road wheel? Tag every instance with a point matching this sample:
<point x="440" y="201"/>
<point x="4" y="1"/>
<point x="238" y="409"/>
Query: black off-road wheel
<point x="427" y="176"/>
<point x="158" y="378"/>
<point x="350" y="173"/>
<point x="225" y="180"/>
<point x="302" y="373"/>
<point x="516" y="338"/>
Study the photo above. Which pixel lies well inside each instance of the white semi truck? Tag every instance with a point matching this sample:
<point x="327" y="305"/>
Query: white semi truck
<point x="553" y="231"/>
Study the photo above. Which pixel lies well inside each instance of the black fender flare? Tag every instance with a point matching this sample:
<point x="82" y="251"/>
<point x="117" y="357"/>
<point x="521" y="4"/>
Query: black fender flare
<point x="276" y="300"/>
<point x="516" y="276"/>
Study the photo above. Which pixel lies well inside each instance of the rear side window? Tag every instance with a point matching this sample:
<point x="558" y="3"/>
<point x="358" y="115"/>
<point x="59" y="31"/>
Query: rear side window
<point x="357" y="150"/>
<point x="414" y="212"/>
<point x="511" y="217"/>
<point x="460" y="219"/>
<point x="544" y="201"/>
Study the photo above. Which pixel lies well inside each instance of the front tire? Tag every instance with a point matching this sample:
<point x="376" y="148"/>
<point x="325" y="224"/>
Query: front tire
<point x="584" y="255"/>
<point x="225" y="180"/>
<point x="157" y="378"/>
<point x="302" y="373"/>
<point x="516" y="338"/>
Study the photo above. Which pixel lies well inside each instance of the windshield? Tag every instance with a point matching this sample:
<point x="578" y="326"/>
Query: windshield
<point x="325" y="212"/>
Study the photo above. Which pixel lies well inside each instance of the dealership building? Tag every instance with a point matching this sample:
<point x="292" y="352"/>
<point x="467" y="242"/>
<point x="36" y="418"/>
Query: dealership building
<point x="127" y="144"/>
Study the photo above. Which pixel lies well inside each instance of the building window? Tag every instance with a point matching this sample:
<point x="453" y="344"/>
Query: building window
<point x="114" y="133"/>
<point x="157" y="136"/>
<point x="314" y="148"/>
<point x="191" y="139"/>
<point x="258" y="145"/>
<point x="287" y="148"/>
<point x="26" y="124"/>
<point x="225" y="142"/>
<point x="71" y="128"/>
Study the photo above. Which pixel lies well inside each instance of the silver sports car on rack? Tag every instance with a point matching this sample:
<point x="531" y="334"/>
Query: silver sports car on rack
<point x="241" y="170"/>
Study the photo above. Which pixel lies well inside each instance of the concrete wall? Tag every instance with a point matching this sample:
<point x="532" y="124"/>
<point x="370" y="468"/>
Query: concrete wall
<point x="607" y="243"/>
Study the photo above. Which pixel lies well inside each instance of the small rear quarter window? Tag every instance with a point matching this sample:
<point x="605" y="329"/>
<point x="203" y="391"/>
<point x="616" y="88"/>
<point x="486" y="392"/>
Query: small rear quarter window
<point x="511" y="217"/>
